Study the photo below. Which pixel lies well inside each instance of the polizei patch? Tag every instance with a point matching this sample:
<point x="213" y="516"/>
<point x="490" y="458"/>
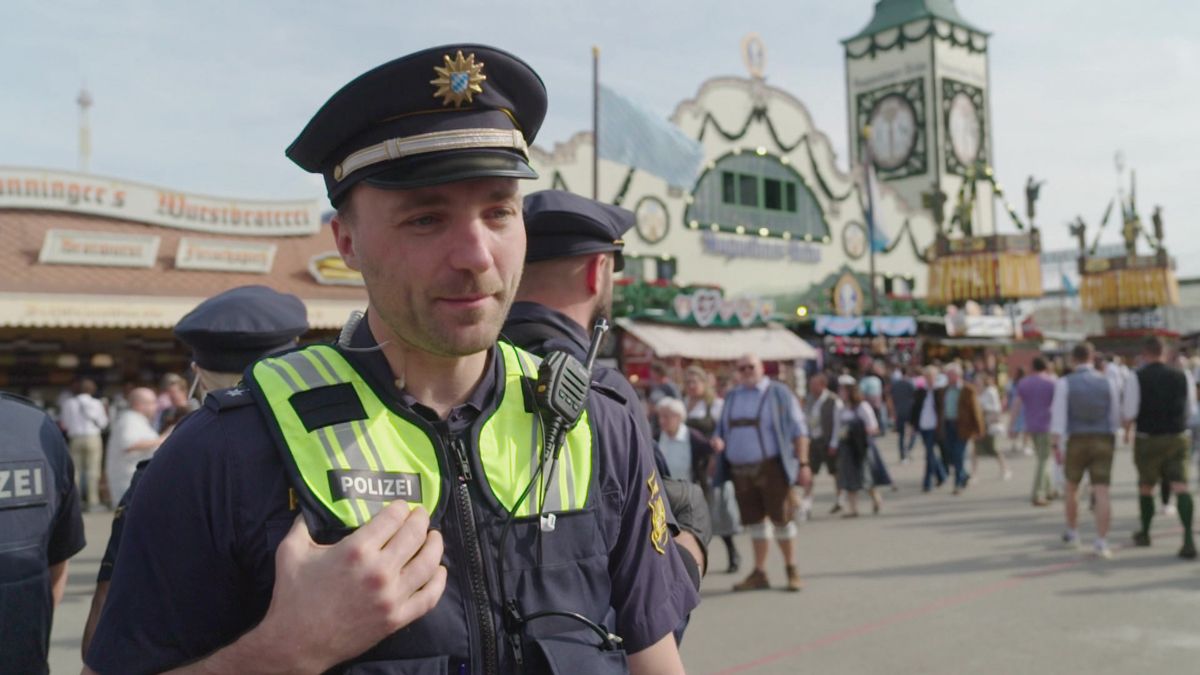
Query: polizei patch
<point x="22" y="484"/>
<point x="376" y="486"/>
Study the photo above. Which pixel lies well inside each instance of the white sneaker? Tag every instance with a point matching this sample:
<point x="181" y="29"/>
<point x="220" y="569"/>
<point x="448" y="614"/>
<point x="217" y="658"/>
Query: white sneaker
<point x="1167" y="509"/>
<point x="1027" y="451"/>
<point x="1008" y="474"/>
<point x="1070" y="539"/>
<point x="1102" y="551"/>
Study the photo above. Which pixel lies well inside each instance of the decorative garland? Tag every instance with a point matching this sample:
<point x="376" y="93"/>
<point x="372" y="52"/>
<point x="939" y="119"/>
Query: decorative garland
<point x="624" y="187"/>
<point x="972" y="180"/>
<point x="760" y="113"/>
<point x="558" y="182"/>
<point x="818" y="300"/>
<point x="902" y="39"/>
<point x="912" y="241"/>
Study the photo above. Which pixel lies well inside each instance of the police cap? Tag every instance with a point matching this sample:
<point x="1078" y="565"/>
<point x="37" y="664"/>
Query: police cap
<point x="229" y="331"/>
<point x="560" y="224"/>
<point x="437" y="116"/>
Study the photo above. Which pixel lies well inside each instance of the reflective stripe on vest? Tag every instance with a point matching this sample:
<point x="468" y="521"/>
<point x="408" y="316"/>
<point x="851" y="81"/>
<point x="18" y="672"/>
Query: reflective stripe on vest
<point x="510" y="445"/>
<point x="385" y="446"/>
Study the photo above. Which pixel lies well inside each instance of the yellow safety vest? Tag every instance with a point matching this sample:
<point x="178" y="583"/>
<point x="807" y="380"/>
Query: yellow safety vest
<point x="353" y="454"/>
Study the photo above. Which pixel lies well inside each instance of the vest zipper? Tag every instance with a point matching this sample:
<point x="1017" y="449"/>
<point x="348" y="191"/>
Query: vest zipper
<point x="475" y="571"/>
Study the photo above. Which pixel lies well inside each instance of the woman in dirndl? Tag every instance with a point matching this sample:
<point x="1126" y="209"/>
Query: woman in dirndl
<point x="857" y="424"/>
<point x="703" y="410"/>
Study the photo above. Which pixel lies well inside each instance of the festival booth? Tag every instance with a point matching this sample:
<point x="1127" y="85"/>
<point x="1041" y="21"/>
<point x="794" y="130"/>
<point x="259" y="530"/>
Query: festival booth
<point x="95" y="272"/>
<point x="698" y="324"/>
<point x="832" y="313"/>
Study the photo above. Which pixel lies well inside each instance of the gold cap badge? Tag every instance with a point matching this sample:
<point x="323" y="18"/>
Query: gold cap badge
<point x="458" y="80"/>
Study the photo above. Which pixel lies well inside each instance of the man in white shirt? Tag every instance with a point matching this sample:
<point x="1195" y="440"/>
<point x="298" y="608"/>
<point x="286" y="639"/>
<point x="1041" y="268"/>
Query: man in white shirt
<point x="84" y="418"/>
<point x="1084" y="418"/>
<point x="133" y="439"/>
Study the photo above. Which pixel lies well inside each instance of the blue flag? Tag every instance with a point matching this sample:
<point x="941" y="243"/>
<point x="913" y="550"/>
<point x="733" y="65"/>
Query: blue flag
<point x="636" y="137"/>
<point x="1068" y="287"/>
<point x="879" y="237"/>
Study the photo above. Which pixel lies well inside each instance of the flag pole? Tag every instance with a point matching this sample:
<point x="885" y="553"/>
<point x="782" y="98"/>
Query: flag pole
<point x="595" y="122"/>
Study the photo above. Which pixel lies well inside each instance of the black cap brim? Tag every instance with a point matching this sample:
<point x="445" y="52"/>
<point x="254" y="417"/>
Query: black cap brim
<point x="450" y="167"/>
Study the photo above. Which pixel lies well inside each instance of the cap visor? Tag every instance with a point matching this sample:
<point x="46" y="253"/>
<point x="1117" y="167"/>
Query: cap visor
<point x="450" y="167"/>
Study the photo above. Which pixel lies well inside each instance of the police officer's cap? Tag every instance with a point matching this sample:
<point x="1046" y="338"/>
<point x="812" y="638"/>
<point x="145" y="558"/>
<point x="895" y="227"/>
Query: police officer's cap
<point x="561" y="224"/>
<point x="437" y="116"/>
<point x="229" y="331"/>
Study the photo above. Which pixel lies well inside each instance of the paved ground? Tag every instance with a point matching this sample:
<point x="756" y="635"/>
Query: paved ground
<point x="936" y="584"/>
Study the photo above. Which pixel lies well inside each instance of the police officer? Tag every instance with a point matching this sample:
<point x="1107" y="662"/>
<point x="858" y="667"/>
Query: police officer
<point x="574" y="248"/>
<point x="40" y="528"/>
<point x="226" y="333"/>
<point x="274" y="528"/>
<point x="231" y="330"/>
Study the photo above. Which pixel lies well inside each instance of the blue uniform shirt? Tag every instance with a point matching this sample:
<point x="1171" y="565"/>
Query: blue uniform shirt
<point x="196" y="565"/>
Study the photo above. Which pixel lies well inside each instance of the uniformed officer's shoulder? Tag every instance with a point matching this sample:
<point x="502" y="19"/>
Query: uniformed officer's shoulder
<point x="610" y="392"/>
<point x="227" y="399"/>
<point x="16" y="398"/>
<point x="225" y="428"/>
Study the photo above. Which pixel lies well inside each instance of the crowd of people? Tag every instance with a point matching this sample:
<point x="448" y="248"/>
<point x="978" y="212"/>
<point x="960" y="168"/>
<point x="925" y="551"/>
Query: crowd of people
<point x="756" y="447"/>
<point x="108" y="436"/>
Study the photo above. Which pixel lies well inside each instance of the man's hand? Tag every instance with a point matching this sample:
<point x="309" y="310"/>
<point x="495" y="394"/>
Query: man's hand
<point x="718" y="445"/>
<point x="1058" y="454"/>
<point x="377" y="580"/>
<point x="804" y="476"/>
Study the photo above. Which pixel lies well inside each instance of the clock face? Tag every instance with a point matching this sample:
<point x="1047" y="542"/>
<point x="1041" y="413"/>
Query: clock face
<point x="966" y="133"/>
<point x="893" y="131"/>
<point x="854" y="240"/>
<point x="651" y="218"/>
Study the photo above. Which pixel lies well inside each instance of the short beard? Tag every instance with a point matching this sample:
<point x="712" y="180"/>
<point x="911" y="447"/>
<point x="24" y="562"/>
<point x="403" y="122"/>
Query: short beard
<point x="603" y="308"/>
<point x="453" y="343"/>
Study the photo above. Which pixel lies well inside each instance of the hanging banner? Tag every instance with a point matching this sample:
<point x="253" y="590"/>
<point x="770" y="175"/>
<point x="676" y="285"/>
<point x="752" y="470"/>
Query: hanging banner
<point x="47" y="190"/>
<point x="960" y="325"/>
<point x="105" y="249"/>
<point x="708" y="307"/>
<point x="221" y="255"/>
<point x="885" y="326"/>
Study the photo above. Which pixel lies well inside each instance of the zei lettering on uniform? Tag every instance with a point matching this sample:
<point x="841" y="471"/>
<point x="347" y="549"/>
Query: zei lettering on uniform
<point x="22" y="484"/>
<point x="374" y="485"/>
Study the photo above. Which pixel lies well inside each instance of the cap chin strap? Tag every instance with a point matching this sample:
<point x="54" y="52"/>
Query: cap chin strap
<point x="347" y="332"/>
<point x="195" y="383"/>
<point x="437" y="141"/>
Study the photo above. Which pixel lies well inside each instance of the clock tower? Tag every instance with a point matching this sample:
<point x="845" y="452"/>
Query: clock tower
<point x="917" y="75"/>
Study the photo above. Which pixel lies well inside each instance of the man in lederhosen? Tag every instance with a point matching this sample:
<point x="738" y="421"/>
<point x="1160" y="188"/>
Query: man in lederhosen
<point x="763" y="437"/>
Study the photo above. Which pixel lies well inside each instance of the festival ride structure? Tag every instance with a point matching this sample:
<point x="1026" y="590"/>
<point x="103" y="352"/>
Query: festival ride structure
<point x="1131" y="291"/>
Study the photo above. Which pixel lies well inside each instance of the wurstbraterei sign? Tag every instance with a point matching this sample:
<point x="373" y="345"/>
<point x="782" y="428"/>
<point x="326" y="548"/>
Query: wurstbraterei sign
<point x="51" y="190"/>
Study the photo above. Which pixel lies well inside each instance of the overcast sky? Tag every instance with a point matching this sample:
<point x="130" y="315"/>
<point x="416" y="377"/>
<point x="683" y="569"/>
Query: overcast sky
<point x="204" y="96"/>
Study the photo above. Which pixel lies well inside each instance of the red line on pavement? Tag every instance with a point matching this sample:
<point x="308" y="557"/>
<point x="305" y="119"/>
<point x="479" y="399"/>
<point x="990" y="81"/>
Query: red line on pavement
<point x="924" y="610"/>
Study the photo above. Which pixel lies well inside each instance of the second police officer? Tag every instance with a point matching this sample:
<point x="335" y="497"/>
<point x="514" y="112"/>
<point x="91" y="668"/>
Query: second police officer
<point x="226" y="333"/>
<point x="273" y="530"/>
<point x="574" y="249"/>
<point x="40" y="529"/>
